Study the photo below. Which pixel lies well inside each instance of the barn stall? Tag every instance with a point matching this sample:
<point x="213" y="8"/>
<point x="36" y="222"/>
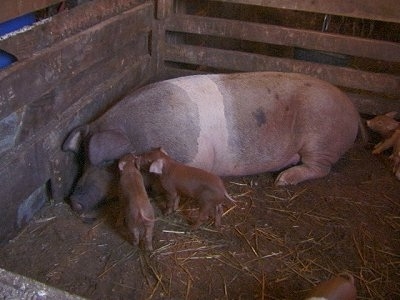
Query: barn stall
<point x="81" y="57"/>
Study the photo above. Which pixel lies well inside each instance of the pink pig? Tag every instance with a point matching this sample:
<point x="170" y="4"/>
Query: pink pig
<point x="340" y="287"/>
<point x="179" y="179"/>
<point x="138" y="209"/>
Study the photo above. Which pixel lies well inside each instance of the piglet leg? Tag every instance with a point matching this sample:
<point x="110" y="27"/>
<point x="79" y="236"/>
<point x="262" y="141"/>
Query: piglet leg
<point x="149" y="236"/>
<point x="136" y="235"/>
<point x="218" y="215"/>
<point x="172" y="202"/>
<point x="206" y="209"/>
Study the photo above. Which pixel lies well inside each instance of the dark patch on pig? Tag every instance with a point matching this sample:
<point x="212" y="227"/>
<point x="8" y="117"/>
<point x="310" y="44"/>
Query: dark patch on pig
<point x="260" y="116"/>
<point x="307" y="84"/>
<point x="246" y="138"/>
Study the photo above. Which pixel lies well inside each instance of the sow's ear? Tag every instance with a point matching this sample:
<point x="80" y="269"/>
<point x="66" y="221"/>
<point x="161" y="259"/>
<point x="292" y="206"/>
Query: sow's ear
<point x="106" y="146"/>
<point x="74" y="139"/>
<point x="157" y="166"/>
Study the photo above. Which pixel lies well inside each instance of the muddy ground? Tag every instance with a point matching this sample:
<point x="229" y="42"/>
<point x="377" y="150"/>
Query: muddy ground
<point x="276" y="243"/>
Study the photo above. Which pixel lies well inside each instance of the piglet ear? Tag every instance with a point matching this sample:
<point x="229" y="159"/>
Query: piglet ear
<point x="106" y="146"/>
<point x="136" y="161"/>
<point x="391" y="114"/>
<point x="157" y="166"/>
<point x="162" y="150"/>
<point x="121" y="165"/>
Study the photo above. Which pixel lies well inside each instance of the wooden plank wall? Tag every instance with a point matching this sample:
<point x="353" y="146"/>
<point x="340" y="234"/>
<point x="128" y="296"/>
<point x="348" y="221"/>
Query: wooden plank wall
<point x="255" y="35"/>
<point x="70" y="70"/>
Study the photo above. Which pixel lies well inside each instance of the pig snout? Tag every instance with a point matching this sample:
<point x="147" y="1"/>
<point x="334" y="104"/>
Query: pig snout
<point x="92" y="189"/>
<point x="340" y="287"/>
<point x="85" y="199"/>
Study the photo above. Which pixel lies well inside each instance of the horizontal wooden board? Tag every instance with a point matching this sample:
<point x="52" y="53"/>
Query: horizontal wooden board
<point x="239" y="61"/>
<point x="367" y="104"/>
<point x="383" y="10"/>
<point x="66" y="24"/>
<point x="14" y="8"/>
<point x="284" y="36"/>
<point x="66" y="58"/>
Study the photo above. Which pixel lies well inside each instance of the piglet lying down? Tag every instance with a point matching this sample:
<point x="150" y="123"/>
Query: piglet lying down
<point x="181" y="180"/>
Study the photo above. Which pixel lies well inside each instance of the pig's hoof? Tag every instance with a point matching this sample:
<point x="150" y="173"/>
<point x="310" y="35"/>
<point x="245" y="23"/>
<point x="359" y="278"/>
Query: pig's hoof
<point x="281" y="180"/>
<point x="89" y="217"/>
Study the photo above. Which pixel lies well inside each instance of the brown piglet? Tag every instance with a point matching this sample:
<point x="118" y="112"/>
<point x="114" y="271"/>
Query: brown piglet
<point x="340" y="287"/>
<point x="179" y="179"/>
<point x="385" y="124"/>
<point x="139" y="213"/>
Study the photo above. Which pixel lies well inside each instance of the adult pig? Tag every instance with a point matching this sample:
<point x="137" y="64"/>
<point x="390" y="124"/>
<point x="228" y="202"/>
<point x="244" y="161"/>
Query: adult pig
<point x="229" y="124"/>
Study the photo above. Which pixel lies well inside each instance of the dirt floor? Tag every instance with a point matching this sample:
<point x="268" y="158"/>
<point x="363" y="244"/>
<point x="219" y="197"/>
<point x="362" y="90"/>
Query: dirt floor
<point x="276" y="243"/>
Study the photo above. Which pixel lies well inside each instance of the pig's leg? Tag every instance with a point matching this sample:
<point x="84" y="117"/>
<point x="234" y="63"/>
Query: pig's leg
<point x="206" y="209"/>
<point x="312" y="167"/>
<point x="133" y="229"/>
<point x="149" y="235"/>
<point x="136" y="235"/>
<point x="218" y="215"/>
<point x="172" y="202"/>
<point x="382" y="146"/>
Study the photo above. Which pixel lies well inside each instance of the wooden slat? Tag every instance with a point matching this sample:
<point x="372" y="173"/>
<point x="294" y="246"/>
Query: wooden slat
<point x="11" y="9"/>
<point x="383" y="10"/>
<point x="64" y="25"/>
<point x="278" y="35"/>
<point x="32" y="78"/>
<point x="239" y="61"/>
<point x="367" y="104"/>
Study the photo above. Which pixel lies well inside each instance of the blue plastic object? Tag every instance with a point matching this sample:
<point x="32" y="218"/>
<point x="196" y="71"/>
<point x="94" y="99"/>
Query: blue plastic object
<point x="17" y="23"/>
<point x="6" y="58"/>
